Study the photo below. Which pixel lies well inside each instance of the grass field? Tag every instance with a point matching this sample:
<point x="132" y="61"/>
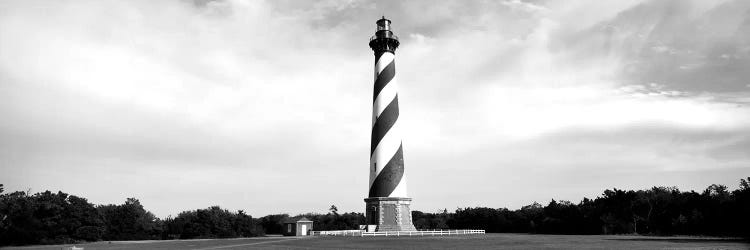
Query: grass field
<point x="487" y="241"/>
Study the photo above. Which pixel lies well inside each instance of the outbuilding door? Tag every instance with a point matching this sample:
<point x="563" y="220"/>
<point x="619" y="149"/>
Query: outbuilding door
<point x="304" y="230"/>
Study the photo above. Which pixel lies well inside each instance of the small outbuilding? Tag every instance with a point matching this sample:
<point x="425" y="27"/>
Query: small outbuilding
<point x="297" y="226"/>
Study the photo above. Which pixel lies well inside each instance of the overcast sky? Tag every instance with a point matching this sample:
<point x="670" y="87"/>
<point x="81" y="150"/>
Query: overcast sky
<point x="266" y="105"/>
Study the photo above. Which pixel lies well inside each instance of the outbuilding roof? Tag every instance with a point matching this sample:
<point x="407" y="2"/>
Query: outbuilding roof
<point x="296" y="219"/>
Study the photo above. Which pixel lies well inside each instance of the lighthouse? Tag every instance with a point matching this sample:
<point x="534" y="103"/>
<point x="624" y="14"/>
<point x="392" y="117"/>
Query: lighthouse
<point x="387" y="204"/>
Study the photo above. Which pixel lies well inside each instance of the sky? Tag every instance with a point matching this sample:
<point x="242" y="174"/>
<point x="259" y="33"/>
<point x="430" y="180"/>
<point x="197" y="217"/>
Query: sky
<point x="265" y="106"/>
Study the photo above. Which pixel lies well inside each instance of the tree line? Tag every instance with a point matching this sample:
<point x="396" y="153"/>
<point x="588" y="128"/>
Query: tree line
<point x="657" y="211"/>
<point x="56" y="218"/>
<point x="52" y="218"/>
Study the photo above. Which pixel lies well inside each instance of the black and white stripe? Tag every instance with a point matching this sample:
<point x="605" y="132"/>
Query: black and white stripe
<point x="386" y="150"/>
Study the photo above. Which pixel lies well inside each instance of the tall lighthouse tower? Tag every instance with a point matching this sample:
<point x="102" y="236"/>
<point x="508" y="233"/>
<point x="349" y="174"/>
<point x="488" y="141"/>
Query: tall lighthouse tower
<point x="387" y="205"/>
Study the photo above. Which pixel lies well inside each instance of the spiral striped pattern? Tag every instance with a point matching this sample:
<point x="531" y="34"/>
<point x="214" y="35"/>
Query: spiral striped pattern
<point x="386" y="151"/>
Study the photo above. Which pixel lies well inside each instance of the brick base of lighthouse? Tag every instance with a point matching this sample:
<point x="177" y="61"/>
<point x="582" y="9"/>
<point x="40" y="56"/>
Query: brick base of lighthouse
<point x="389" y="214"/>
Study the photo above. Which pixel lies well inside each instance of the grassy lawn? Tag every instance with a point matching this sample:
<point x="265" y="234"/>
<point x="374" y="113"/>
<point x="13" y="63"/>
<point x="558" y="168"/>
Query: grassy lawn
<point x="488" y="241"/>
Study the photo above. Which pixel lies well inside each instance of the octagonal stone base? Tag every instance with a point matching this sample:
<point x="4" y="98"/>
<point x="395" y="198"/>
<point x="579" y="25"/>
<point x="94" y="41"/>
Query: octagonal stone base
<point x="389" y="213"/>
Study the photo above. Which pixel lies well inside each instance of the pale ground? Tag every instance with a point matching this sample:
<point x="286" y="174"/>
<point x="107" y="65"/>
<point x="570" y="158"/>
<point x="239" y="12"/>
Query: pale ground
<point x="488" y="241"/>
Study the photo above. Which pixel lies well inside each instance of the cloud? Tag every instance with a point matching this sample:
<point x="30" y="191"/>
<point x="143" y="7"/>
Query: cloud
<point x="685" y="45"/>
<point x="186" y="104"/>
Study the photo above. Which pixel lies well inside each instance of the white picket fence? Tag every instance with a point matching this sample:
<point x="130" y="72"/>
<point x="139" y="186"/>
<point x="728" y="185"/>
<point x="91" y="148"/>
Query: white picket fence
<point x="337" y="233"/>
<point x="362" y="233"/>
<point x="423" y="233"/>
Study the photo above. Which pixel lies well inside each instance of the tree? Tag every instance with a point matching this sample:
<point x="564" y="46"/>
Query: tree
<point x="19" y="224"/>
<point x="212" y="222"/>
<point x="740" y="207"/>
<point x="744" y="185"/>
<point x="47" y="218"/>
<point x="272" y="224"/>
<point x="429" y="221"/>
<point x="246" y="226"/>
<point x="334" y="210"/>
<point x="129" y="221"/>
